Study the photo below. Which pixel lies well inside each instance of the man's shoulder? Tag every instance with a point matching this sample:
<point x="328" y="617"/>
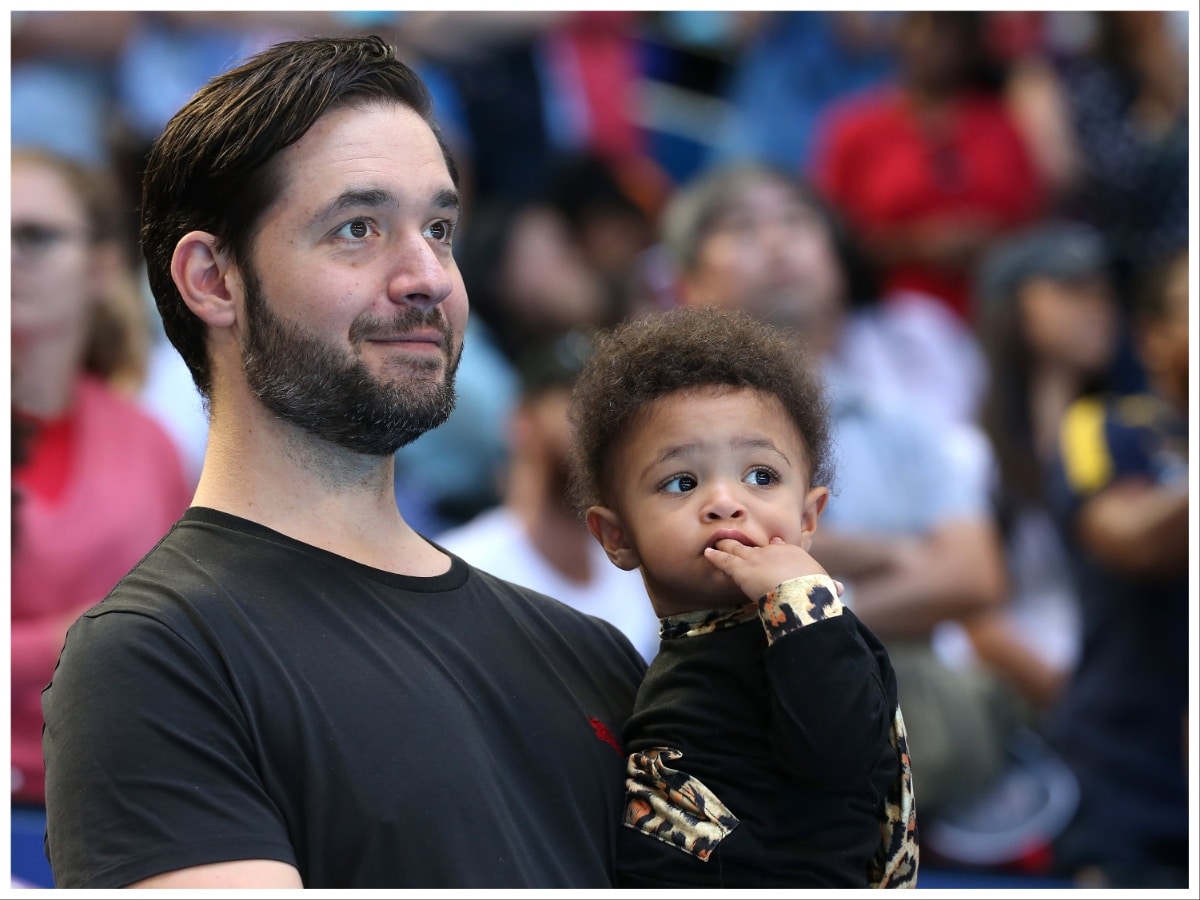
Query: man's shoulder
<point x="189" y="566"/>
<point x="584" y="631"/>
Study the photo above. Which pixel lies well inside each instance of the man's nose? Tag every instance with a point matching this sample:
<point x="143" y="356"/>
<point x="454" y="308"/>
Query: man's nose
<point x="420" y="275"/>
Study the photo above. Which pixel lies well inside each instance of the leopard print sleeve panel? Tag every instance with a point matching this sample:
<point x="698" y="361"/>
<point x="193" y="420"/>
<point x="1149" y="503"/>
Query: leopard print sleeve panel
<point x="797" y="603"/>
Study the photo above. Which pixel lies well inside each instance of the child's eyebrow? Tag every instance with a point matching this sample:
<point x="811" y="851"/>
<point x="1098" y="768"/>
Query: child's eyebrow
<point x="760" y="443"/>
<point x="676" y="451"/>
<point x="668" y="453"/>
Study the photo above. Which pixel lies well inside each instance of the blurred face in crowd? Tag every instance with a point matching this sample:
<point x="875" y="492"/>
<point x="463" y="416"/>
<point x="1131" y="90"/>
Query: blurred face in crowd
<point x="935" y="49"/>
<point x="545" y="277"/>
<point x="1164" y="342"/>
<point x="355" y="307"/>
<point x="1070" y="324"/>
<point x="57" y="267"/>
<point x="772" y="255"/>
<point x="541" y="433"/>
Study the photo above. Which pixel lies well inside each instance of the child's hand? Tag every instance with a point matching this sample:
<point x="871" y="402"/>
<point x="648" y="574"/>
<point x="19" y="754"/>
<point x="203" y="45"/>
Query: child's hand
<point x="757" y="570"/>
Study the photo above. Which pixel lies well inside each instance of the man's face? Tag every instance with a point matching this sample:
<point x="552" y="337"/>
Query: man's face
<point x="771" y="255"/>
<point x="354" y="306"/>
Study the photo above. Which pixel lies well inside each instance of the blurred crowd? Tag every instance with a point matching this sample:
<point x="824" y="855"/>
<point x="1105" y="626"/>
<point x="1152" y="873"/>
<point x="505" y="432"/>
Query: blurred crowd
<point x="978" y="220"/>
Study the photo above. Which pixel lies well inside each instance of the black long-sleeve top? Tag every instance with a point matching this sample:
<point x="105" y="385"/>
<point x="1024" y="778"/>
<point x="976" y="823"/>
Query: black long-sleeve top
<point x="767" y="749"/>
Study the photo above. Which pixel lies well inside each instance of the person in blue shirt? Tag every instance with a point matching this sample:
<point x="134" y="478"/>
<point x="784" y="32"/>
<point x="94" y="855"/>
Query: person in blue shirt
<point x="1120" y="489"/>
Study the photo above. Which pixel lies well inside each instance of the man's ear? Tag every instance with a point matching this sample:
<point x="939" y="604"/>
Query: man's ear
<point x="605" y="526"/>
<point x="206" y="279"/>
<point x="814" y="505"/>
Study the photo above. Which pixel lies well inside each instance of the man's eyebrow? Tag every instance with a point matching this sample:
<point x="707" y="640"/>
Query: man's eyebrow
<point x="348" y="199"/>
<point x="446" y="199"/>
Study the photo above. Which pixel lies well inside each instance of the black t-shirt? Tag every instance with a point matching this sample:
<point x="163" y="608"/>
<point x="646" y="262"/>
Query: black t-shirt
<point x="242" y="695"/>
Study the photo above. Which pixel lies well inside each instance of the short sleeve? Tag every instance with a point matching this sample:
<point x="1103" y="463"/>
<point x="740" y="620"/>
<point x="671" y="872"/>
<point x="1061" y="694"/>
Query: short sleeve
<point x="150" y="766"/>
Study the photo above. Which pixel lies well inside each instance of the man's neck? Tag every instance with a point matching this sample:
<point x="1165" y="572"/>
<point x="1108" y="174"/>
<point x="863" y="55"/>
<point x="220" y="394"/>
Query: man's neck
<point x="267" y="471"/>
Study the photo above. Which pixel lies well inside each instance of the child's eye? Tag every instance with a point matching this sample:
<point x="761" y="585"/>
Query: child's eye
<point x="761" y="476"/>
<point x="679" y="484"/>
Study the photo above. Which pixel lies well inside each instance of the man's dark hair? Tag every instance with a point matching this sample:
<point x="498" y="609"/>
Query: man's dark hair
<point x="212" y="167"/>
<point x="689" y="347"/>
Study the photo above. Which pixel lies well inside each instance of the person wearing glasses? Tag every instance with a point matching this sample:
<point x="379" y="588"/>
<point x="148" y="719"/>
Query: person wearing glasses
<point x="95" y="480"/>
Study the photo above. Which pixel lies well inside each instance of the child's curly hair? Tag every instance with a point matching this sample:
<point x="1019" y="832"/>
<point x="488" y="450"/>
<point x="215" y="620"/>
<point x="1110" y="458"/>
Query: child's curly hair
<point x="658" y="354"/>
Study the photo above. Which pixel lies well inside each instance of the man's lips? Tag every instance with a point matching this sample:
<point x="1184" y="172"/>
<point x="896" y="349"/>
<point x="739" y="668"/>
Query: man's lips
<point x="423" y="336"/>
<point x="430" y="337"/>
<point x="729" y="534"/>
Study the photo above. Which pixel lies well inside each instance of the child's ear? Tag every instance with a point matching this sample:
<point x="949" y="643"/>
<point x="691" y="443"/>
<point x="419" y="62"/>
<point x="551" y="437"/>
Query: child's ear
<point x="605" y="526"/>
<point x="814" y="505"/>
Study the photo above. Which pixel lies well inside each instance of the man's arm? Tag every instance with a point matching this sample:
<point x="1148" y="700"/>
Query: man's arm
<point x="190" y="798"/>
<point x="242" y="873"/>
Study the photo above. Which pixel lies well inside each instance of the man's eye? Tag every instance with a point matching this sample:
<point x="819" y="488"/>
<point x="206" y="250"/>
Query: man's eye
<point x="441" y="231"/>
<point x="679" y="484"/>
<point x="356" y="230"/>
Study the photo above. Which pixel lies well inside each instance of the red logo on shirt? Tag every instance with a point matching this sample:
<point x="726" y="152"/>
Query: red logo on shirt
<point x="604" y="733"/>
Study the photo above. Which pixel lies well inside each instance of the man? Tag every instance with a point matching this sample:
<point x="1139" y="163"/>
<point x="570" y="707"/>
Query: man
<point x="295" y="688"/>
<point x="907" y="528"/>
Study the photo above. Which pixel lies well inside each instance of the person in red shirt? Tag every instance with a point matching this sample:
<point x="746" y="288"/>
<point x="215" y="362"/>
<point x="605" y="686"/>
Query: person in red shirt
<point x="96" y="481"/>
<point x="929" y="169"/>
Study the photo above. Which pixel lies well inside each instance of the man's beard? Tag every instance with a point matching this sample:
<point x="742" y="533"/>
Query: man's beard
<point x="332" y="394"/>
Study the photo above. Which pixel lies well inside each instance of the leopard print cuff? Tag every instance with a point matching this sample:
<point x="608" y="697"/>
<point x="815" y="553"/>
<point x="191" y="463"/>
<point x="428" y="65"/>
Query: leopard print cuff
<point x="796" y="603"/>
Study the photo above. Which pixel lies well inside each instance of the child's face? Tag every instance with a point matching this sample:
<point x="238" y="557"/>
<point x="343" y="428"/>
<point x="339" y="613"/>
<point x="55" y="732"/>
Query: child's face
<point x="698" y="466"/>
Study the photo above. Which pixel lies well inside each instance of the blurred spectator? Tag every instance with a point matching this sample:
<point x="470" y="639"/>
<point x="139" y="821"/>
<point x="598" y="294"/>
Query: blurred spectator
<point x="907" y="528"/>
<point x="790" y="66"/>
<point x="1102" y="98"/>
<point x="1122" y="498"/>
<point x="1032" y="45"/>
<point x="62" y="91"/>
<point x="1127" y="100"/>
<point x="535" y="538"/>
<point x="530" y="85"/>
<point x="96" y="482"/>
<point x="1049" y="320"/>
<point x="930" y="168"/>
<point x="528" y="277"/>
<point x="610" y="217"/>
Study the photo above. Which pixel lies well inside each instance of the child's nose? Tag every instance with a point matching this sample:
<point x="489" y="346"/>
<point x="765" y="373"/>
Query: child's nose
<point x="722" y="503"/>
